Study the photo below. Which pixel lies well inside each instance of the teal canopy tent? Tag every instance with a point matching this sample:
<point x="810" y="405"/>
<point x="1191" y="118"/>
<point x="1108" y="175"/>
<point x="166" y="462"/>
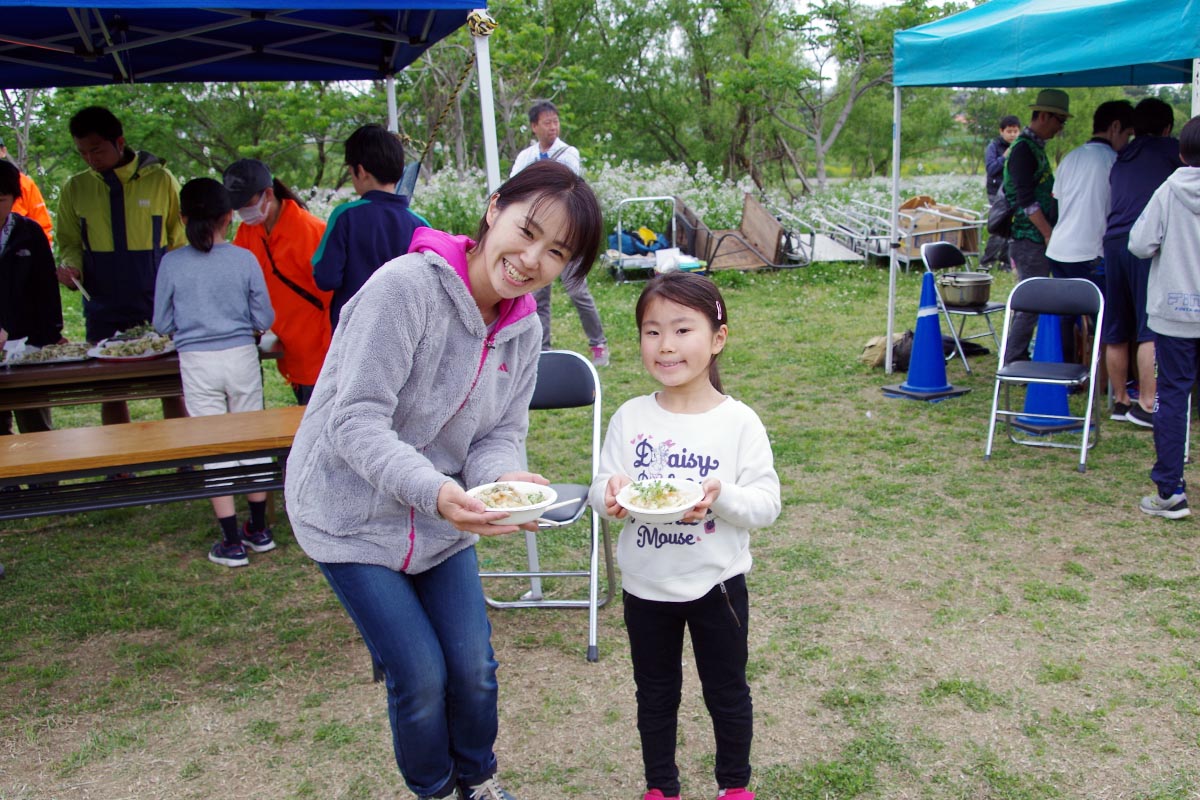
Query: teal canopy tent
<point x="1053" y="43"/>
<point x="1036" y="43"/>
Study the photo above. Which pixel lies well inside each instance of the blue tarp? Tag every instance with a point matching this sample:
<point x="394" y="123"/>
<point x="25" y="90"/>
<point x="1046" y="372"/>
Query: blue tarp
<point x="1053" y="43"/>
<point x="44" y="44"/>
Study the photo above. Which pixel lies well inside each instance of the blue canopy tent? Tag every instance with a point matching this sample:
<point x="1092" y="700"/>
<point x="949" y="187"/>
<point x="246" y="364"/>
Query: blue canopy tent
<point x="45" y="43"/>
<point x="1037" y="43"/>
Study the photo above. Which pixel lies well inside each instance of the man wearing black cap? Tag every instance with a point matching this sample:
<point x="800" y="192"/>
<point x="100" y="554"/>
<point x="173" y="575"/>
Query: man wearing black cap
<point x="1029" y="185"/>
<point x="116" y="219"/>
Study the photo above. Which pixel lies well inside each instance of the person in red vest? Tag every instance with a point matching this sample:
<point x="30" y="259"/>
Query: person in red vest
<point x="30" y="203"/>
<point x="283" y="235"/>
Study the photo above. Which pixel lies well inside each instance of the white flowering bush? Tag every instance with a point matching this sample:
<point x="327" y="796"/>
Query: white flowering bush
<point x="454" y="201"/>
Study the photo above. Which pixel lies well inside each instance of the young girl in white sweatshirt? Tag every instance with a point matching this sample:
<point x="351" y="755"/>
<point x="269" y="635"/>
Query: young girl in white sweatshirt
<point x="689" y="573"/>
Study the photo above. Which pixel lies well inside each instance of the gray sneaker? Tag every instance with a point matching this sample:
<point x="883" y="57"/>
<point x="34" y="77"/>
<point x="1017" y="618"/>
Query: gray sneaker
<point x="488" y="790"/>
<point x="1173" y="507"/>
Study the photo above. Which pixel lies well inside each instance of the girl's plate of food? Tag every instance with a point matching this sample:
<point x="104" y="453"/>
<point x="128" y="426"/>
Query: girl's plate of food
<point x="151" y="345"/>
<point x="660" y="500"/>
<point x="50" y="354"/>
<point x="523" y="501"/>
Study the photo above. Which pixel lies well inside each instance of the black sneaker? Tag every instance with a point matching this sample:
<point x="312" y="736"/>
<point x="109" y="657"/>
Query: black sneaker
<point x="1140" y="416"/>
<point x="1119" y="411"/>
<point x="258" y="541"/>
<point x="228" y="555"/>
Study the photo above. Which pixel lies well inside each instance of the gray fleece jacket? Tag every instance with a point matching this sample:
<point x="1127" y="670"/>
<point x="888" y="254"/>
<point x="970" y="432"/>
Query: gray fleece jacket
<point x="415" y="391"/>
<point x="1168" y="232"/>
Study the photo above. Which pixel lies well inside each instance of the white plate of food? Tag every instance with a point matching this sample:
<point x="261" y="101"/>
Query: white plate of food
<point x="660" y="500"/>
<point x="50" y="354"/>
<point x="523" y="501"/>
<point x="140" y="349"/>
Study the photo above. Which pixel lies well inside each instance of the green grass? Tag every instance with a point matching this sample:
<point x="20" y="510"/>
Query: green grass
<point x="923" y="624"/>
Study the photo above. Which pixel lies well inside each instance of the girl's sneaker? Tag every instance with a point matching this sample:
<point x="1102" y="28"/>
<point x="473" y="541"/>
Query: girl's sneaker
<point x="228" y="554"/>
<point x="656" y="794"/>
<point x="735" y="794"/>
<point x="258" y="541"/>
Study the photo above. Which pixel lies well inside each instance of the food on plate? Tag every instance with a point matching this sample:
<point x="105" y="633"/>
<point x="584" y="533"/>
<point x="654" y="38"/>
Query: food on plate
<point x="70" y="351"/>
<point x="149" y="345"/>
<point x="659" y="495"/>
<point x="136" y="332"/>
<point x="504" y="495"/>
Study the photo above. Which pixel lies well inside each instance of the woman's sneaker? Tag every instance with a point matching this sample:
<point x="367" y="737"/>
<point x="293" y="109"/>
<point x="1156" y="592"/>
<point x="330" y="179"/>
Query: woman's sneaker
<point x="258" y="541"/>
<point x="488" y="790"/>
<point x="735" y="794"/>
<point x="656" y="794"/>
<point x="1173" y="507"/>
<point x="228" y="554"/>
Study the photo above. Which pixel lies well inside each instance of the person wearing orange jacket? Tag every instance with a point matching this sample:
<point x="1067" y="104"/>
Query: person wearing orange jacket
<point x="31" y="203"/>
<point x="283" y="235"/>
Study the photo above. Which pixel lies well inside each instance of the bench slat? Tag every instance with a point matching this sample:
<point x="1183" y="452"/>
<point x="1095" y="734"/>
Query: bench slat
<point x="109" y="446"/>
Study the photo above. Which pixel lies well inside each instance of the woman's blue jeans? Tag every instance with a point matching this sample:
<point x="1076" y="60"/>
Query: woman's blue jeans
<point x="430" y="633"/>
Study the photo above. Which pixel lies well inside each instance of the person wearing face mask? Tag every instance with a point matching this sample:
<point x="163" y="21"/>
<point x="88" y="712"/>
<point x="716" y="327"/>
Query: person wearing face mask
<point x="283" y="235"/>
<point x="425" y="393"/>
<point x="116" y="220"/>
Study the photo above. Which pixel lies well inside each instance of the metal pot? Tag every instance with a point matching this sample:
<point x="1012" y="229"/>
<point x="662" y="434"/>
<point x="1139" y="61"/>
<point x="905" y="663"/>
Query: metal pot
<point x="965" y="288"/>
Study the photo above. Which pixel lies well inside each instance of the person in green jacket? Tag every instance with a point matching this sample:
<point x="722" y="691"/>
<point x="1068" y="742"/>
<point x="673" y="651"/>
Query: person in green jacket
<point x="116" y="219"/>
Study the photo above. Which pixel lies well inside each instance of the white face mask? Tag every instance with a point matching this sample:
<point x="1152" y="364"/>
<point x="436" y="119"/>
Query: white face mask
<point x="255" y="215"/>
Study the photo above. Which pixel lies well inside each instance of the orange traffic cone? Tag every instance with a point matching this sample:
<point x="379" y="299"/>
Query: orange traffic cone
<point x="927" y="366"/>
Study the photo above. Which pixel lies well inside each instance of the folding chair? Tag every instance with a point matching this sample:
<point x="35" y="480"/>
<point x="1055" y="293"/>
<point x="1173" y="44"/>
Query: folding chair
<point x="567" y="380"/>
<point x="1062" y="297"/>
<point x="945" y="256"/>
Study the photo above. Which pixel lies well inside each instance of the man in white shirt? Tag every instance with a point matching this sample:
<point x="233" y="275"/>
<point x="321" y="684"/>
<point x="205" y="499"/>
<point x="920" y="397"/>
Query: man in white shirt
<point x="1082" y="190"/>
<point x="543" y="121"/>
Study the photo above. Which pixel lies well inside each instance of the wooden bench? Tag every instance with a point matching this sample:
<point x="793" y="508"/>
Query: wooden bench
<point x="757" y="242"/>
<point x="46" y="468"/>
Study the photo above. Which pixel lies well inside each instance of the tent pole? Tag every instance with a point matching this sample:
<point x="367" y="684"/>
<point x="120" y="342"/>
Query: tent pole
<point x="483" y="65"/>
<point x="893" y="262"/>
<point x="1195" y="86"/>
<point x="393" y="120"/>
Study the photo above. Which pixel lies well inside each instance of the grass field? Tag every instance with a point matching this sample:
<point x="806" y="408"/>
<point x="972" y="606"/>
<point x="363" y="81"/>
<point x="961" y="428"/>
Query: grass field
<point x="924" y="624"/>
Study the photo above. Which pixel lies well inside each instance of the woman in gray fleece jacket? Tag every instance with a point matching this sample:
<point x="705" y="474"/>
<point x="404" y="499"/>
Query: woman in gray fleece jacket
<point x="425" y="392"/>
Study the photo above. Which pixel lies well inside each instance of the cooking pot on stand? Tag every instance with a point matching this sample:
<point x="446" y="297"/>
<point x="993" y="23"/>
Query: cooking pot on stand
<point x="965" y="288"/>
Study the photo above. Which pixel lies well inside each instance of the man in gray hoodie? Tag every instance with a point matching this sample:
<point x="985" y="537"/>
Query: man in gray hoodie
<point x="1168" y="233"/>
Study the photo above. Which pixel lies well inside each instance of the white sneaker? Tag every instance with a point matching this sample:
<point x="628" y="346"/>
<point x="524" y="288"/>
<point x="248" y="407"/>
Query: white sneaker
<point x="488" y="790"/>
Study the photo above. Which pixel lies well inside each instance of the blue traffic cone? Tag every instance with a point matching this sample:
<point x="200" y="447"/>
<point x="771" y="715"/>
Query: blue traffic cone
<point x="927" y="365"/>
<point x="1044" y="398"/>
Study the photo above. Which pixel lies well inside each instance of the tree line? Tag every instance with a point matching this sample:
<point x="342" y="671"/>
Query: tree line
<point x="789" y="96"/>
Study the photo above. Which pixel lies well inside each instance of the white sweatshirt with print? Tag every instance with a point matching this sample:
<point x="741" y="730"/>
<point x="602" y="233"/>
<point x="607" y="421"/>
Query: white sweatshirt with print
<point x="682" y="561"/>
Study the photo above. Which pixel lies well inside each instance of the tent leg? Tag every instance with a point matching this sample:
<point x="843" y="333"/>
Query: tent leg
<point x="483" y="67"/>
<point x="892" y="260"/>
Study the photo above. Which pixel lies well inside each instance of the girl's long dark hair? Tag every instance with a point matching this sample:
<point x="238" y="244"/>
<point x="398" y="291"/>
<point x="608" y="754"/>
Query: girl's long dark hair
<point x="204" y="202"/>
<point x="691" y="291"/>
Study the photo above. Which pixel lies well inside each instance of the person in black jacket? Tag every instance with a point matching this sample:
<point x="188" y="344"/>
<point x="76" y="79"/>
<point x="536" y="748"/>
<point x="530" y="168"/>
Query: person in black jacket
<point x="996" y="252"/>
<point x="30" y="307"/>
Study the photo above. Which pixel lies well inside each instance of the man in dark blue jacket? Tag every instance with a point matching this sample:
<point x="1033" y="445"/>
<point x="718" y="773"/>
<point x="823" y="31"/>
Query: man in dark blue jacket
<point x="996" y="252"/>
<point x="1140" y="168"/>
<point x="365" y="234"/>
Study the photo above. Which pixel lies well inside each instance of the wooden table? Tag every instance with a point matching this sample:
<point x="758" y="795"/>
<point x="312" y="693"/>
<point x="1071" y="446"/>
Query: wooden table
<point x="95" y="381"/>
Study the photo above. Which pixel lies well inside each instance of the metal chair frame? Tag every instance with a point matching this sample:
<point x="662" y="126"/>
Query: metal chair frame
<point x="940" y="256"/>
<point x="1063" y="297"/>
<point x="567" y="380"/>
